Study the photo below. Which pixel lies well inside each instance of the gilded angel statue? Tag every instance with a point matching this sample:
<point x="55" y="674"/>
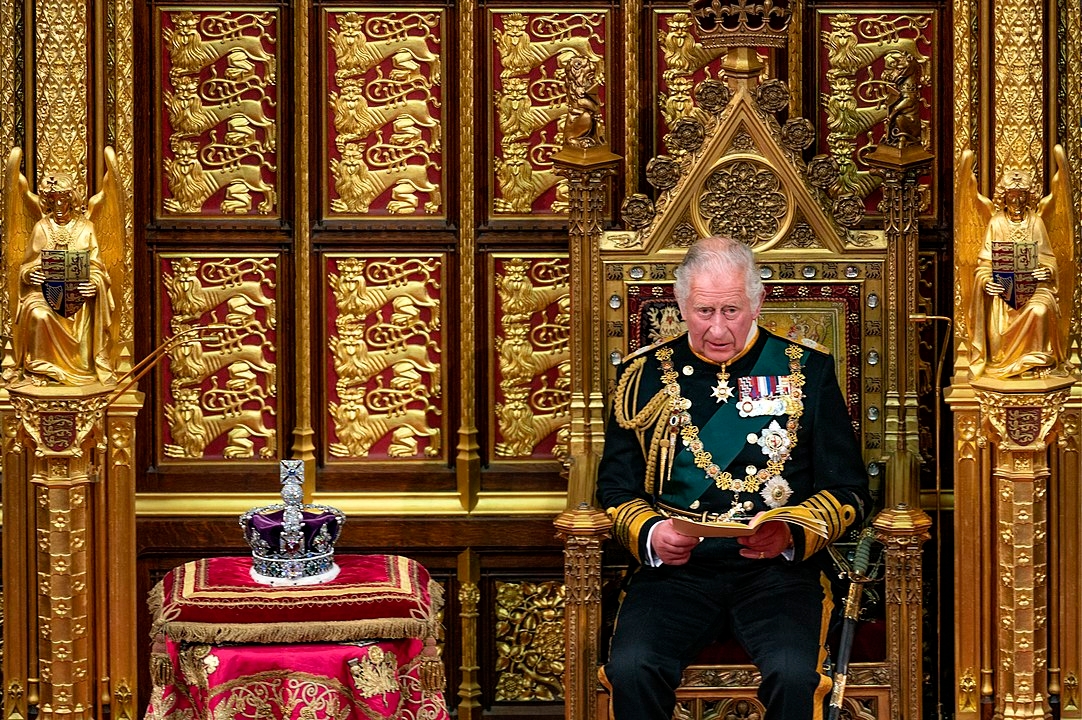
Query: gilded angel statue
<point x="66" y="321"/>
<point x="1018" y="249"/>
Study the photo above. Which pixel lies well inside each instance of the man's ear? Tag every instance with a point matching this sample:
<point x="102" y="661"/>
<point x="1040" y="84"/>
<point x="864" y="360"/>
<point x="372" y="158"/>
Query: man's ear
<point x="759" y="304"/>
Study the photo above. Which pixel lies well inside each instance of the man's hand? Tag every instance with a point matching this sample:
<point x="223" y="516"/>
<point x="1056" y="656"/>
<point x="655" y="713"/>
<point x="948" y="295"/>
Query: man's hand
<point x="993" y="288"/>
<point x="768" y="541"/>
<point x="1042" y="273"/>
<point x="87" y="290"/>
<point x="37" y="276"/>
<point x="671" y="547"/>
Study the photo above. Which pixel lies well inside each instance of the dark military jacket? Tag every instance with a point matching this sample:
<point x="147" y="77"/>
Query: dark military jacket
<point x="666" y="395"/>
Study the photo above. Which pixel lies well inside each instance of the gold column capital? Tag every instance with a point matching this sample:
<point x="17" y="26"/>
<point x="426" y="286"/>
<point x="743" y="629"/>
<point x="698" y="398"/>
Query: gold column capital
<point x="902" y="521"/>
<point x="583" y="521"/>
<point x="1022" y="412"/>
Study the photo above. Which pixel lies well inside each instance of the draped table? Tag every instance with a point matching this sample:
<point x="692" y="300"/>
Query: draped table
<point x="359" y="647"/>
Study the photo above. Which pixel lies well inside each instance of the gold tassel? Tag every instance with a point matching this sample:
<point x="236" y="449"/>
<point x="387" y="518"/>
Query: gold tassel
<point x="431" y="670"/>
<point x="161" y="667"/>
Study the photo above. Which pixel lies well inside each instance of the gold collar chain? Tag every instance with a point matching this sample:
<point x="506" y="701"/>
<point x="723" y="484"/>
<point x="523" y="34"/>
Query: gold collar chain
<point x="680" y="424"/>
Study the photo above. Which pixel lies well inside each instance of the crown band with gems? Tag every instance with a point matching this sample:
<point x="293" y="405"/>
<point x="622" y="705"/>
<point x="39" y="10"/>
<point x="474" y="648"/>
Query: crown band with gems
<point x="292" y="542"/>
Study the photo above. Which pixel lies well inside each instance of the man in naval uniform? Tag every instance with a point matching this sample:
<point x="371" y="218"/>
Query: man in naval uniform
<point x="722" y="423"/>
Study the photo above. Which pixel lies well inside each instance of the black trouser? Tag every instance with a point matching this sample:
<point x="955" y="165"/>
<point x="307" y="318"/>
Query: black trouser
<point x="778" y="611"/>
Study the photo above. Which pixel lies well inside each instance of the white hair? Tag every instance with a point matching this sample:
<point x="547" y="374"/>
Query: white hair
<point x="716" y="256"/>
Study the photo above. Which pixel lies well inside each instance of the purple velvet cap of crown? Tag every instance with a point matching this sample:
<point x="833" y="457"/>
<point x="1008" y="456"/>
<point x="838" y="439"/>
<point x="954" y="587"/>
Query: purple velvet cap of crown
<point x="269" y="526"/>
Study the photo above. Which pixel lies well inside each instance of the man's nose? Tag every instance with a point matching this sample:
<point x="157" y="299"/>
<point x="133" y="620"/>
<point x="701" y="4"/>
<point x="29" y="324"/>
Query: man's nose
<point x="719" y="325"/>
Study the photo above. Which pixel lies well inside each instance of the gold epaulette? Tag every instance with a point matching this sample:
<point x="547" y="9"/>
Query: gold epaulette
<point x="647" y="348"/>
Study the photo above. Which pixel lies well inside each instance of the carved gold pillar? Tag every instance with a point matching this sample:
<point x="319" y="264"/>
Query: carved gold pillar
<point x="1065" y="572"/>
<point x="582" y="526"/>
<point x="901" y="169"/>
<point x="903" y="526"/>
<point x="61" y="433"/>
<point x="583" y="531"/>
<point x="468" y="456"/>
<point x="587" y="172"/>
<point x="469" y="597"/>
<point x="18" y="575"/>
<point x="903" y="530"/>
<point x="972" y="571"/>
<point x="115" y="522"/>
<point x="1020" y="416"/>
<point x="69" y="550"/>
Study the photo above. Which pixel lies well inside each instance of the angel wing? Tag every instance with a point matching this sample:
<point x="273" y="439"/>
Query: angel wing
<point x="22" y="210"/>
<point x="972" y="212"/>
<point x="106" y="211"/>
<point x="1057" y="211"/>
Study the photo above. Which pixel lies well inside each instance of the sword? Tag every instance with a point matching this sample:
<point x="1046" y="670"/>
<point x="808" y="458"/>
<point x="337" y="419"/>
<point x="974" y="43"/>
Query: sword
<point x="858" y="575"/>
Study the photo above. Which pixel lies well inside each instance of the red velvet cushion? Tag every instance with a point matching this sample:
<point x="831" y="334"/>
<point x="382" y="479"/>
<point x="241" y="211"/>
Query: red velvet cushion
<point x="215" y="600"/>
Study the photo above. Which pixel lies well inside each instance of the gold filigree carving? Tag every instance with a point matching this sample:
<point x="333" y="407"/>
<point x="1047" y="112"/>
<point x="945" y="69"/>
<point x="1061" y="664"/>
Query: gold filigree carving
<point x="1070" y="697"/>
<point x="856" y="100"/>
<point x="61" y="93"/>
<point x="744" y="200"/>
<point x="1018" y="90"/>
<point x="529" y="641"/>
<point x="59" y="424"/>
<point x="716" y="676"/>
<point x="386" y="356"/>
<point x="684" y="58"/>
<point x="385" y="112"/>
<point x="280" y="693"/>
<point x="223" y="387"/>
<point x="533" y="53"/>
<point x="376" y="673"/>
<point x="684" y="54"/>
<point x="1021" y="419"/>
<point x="221" y="104"/>
<point x="533" y="354"/>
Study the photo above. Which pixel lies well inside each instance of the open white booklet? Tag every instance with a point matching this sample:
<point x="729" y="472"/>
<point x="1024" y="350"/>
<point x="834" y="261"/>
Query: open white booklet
<point x="792" y="514"/>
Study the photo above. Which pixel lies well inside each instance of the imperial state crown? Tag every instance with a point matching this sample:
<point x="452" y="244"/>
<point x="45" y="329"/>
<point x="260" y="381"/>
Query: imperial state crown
<point x="292" y="542"/>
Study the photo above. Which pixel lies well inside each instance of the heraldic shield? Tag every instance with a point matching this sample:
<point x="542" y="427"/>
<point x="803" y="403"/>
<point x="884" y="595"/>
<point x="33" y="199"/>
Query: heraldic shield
<point x="64" y="271"/>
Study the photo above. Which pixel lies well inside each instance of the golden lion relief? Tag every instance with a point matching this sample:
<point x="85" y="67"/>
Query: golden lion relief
<point x="190" y="53"/>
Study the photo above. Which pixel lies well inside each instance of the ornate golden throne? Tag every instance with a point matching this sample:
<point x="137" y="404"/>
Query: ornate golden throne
<point x="735" y="170"/>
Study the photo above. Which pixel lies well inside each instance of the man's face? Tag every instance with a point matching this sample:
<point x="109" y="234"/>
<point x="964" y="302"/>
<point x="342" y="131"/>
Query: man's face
<point x="719" y="315"/>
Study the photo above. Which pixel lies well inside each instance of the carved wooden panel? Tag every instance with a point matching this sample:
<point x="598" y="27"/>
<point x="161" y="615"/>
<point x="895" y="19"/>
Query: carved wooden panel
<point x="529" y="639"/>
<point x="529" y="51"/>
<point x="383" y="357"/>
<point x="216" y="118"/>
<point x="530" y="355"/>
<point x="383" y="117"/>
<point x="218" y="389"/>
<point x="864" y="76"/>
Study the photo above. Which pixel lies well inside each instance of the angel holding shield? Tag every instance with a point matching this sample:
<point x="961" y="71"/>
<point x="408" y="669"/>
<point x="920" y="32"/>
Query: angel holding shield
<point x="1013" y="315"/>
<point x="65" y="315"/>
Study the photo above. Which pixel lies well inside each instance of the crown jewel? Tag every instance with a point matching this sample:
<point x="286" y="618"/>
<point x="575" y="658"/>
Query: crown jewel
<point x="741" y="23"/>
<point x="292" y="542"/>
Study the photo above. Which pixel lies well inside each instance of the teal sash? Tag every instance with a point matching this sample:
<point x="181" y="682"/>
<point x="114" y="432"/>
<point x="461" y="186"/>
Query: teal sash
<point x="725" y="434"/>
